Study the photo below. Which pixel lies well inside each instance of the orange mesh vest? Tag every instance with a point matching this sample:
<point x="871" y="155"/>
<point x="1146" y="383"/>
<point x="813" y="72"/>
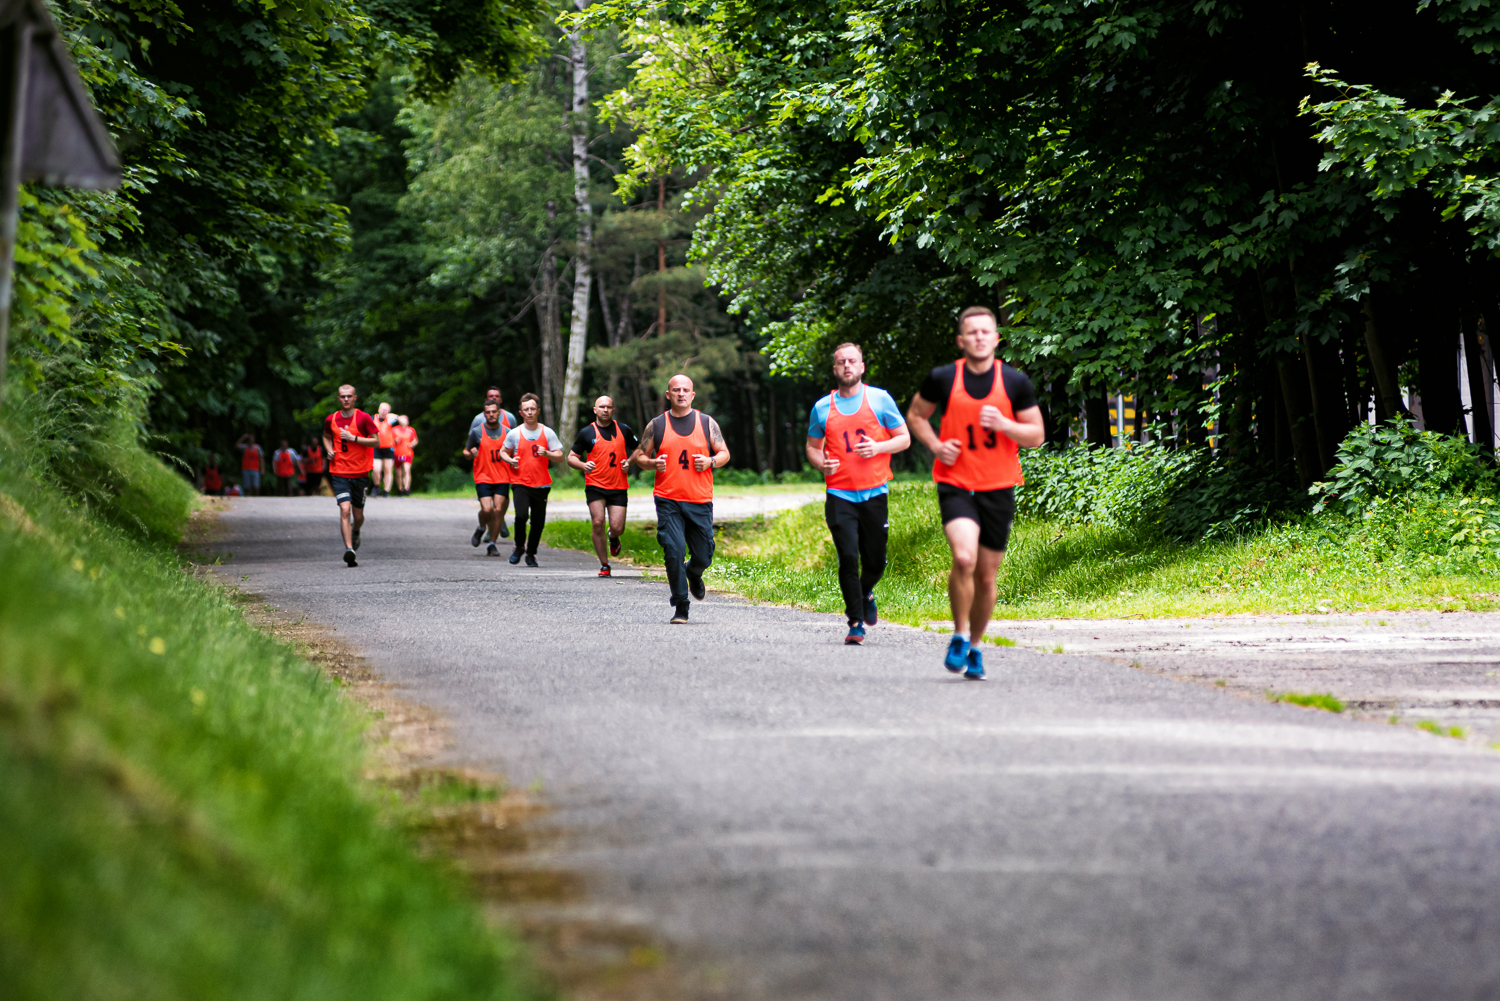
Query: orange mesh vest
<point x="405" y="437"/>
<point x="383" y="434"/>
<point x="682" y="481"/>
<point x="841" y="434"/>
<point x="350" y="458"/>
<point x="284" y="462"/>
<point x="534" y="470"/>
<point x="505" y="473"/>
<point x="987" y="460"/>
<point x="313" y="460"/>
<point x="488" y="466"/>
<point x="609" y="462"/>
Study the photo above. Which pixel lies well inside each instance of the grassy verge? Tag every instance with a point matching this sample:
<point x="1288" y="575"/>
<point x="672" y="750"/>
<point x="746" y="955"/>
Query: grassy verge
<point x="1053" y="570"/>
<point x="182" y="809"/>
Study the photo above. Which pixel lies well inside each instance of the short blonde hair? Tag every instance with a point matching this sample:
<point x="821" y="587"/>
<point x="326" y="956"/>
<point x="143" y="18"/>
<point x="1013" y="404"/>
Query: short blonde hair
<point x="975" y="311"/>
<point x="849" y="344"/>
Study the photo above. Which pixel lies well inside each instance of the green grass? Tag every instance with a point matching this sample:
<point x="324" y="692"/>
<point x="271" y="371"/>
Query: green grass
<point x="1439" y="730"/>
<point x="1093" y="571"/>
<point x="1313" y="700"/>
<point x="182" y="806"/>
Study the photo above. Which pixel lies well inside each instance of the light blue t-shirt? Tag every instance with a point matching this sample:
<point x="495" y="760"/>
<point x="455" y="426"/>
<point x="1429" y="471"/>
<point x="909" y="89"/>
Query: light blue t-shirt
<point x="886" y="412"/>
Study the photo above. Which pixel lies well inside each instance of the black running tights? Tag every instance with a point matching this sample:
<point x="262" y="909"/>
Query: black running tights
<point x="531" y="506"/>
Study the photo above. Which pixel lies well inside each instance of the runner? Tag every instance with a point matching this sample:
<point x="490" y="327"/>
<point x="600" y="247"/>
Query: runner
<point x="284" y="464"/>
<point x="602" y="450"/>
<point x="406" y="441"/>
<point x="684" y="447"/>
<point x="350" y="437"/>
<point x="491" y="474"/>
<point x="385" y="451"/>
<point x="507" y="421"/>
<point x="851" y="434"/>
<point x="213" y="480"/>
<point x="528" y="449"/>
<point x="250" y="463"/>
<point x="976" y="465"/>
<point x="313" y="463"/>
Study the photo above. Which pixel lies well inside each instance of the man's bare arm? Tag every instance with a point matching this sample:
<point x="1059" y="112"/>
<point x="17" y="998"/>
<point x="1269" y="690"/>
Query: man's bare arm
<point x="716" y="444"/>
<point x="645" y="452"/>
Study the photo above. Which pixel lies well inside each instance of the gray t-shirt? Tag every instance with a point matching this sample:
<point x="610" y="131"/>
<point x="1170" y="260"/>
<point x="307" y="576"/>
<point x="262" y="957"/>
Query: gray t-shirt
<point x="513" y="440"/>
<point x="484" y="429"/>
<point x="505" y="417"/>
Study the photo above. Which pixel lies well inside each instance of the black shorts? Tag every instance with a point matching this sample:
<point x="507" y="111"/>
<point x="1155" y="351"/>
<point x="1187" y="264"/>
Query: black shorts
<point x="611" y="498"/>
<point x="385" y="453"/>
<point x="994" y="510"/>
<point x="351" y="490"/>
<point x="492" y="489"/>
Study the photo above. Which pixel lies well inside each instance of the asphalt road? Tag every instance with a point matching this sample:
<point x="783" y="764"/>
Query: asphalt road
<point x="798" y="819"/>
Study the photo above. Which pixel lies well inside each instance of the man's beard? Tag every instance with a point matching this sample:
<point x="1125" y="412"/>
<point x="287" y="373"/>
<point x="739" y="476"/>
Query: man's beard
<point x="848" y="383"/>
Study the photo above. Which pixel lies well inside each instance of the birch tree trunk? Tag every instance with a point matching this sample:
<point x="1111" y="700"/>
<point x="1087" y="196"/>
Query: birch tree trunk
<point x="567" y="421"/>
<point x="551" y="328"/>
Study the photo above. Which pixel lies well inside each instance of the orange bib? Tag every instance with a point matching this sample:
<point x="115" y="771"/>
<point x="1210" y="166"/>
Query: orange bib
<point x="534" y="470"/>
<point x="609" y="458"/>
<point x="988" y="460"/>
<point x="488" y="466"/>
<point x="841" y="434"/>
<point x="682" y="481"/>
<point x="350" y="458"/>
<point x="383" y="434"/>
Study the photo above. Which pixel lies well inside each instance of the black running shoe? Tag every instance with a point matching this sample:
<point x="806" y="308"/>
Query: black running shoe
<point x="614" y="545"/>
<point x="681" y="614"/>
<point x="696" y="588"/>
<point x="492" y="551"/>
<point x="530" y="560"/>
<point x="356" y="538"/>
<point x="504" y="532"/>
<point x="515" y="557"/>
<point x="349" y="558"/>
<point x="477" y="537"/>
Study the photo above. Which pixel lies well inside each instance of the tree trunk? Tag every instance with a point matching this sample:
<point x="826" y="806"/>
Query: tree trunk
<point x="755" y="425"/>
<point x="1386" y="390"/>
<point x="550" y="322"/>
<point x="1299" y="420"/>
<point x="1437" y="372"/>
<point x="578" y="337"/>
<point x="1329" y="409"/>
<point x="1095" y="416"/>
<point x="661" y="260"/>
<point x="1481" y="419"/>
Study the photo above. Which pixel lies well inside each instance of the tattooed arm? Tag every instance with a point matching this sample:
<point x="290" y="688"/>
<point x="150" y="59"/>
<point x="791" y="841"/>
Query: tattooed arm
<point x="645" y="454"/>
<point x="720" y="457"/>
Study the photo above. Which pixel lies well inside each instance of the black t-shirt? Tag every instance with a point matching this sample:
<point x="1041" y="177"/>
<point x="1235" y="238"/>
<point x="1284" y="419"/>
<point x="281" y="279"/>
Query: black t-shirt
<point x="938" y="385"/>
<point x="589" y="433"/>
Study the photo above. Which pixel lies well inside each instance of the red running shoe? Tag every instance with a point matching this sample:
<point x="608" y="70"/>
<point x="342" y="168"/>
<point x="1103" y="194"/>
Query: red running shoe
<point x="604" y="570"/>
<point x="614" y="545"/>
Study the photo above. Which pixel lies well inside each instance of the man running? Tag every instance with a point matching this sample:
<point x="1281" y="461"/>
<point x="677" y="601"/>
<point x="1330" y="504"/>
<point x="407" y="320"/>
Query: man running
<point x="250" y="463"/>
<point x="385" y="451"/>
<point x="529" y="448"/>
<point x="406" y="442"/>
<point x="284" y="464"/>
<point x="851" y="435"/>
<point x="507" y="421"/>
<point x="350" y="436"/>
<point x="684" y="446"/>
<point x="313" y="464"/>
<point x="491" y="473"/>
<point x="976" y="465"/>
<point x="602" y="450"/>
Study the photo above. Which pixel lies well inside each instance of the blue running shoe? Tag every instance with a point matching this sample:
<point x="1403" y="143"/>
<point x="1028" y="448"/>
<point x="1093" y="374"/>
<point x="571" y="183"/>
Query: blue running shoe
<point x="856" y="635"/>
<point x="870" y="617"/>
<point x="957" y="659"/>
<point x="976" y="666"/>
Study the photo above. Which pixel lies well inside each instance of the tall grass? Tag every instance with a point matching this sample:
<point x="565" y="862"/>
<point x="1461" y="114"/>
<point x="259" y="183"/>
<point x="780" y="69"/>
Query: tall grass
<point x="181" y="811"/>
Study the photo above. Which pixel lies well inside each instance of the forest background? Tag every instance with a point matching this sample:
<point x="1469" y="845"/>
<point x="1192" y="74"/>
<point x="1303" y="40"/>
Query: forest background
<point x="1183" y="201"/>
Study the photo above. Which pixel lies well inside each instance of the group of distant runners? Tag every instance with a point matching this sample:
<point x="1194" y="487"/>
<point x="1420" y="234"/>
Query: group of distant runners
<point x="988" y="412"/>
<point x="301" y="472"/>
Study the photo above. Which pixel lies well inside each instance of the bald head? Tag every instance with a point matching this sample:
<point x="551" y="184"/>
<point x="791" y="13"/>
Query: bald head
<point x="680" y="394"/>
<point x="604" y="411"/>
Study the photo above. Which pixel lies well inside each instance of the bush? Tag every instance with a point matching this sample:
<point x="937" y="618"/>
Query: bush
<point x="1395" y="458"/>
<point x="448" y="480"/>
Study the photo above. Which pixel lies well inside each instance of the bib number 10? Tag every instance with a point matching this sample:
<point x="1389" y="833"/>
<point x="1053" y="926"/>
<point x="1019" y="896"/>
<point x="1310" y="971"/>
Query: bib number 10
<point x="990" y="440"/>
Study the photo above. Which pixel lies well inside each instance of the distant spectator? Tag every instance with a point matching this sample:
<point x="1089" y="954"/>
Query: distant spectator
<point x="314" y="463"/>
<point x="250" y="463"/>
<point x="213" y="480"/>
<point x="233" y="490"/>
<point x="406" y="440"/>
<point x="285" y="464"/>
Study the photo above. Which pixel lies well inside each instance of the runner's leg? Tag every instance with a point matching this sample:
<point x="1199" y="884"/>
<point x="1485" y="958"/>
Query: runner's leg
<point x="669" y="535"/>
<point x="843" y="521"/>
<point x="538" y="519"/>
<point x="963" y="540"/>
<point x="500" y="518"/>
<point x="345" y="511"/>
<point x="599" y="530"/>
<point x="874" y="533"/>
<point x="523" y="511"/>
<point x="617" y="520"/>
<point x="984" y="591"/>
<point x="698" y="525"/>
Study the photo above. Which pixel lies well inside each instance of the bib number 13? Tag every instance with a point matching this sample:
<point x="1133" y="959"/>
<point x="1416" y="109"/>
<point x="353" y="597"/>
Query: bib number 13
<point x="989" y="437"/>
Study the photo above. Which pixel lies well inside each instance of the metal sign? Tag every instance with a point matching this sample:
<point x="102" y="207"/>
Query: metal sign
<point x="51" y="133"/>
